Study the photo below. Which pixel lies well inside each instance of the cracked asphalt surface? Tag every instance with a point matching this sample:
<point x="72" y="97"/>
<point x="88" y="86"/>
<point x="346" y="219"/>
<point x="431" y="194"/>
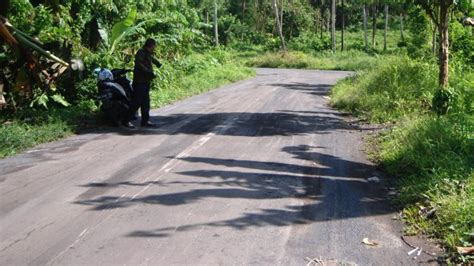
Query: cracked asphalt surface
<point x="257" y="172"/>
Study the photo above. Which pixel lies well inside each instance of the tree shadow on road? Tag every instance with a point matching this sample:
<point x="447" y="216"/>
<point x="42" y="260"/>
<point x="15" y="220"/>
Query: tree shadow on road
<point x="333" y="189"/>
<point x="312" y="89"/>
<point x="242" y="124"/>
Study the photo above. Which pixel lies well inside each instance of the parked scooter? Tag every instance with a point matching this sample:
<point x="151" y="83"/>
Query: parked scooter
<point x="115" y="93"/>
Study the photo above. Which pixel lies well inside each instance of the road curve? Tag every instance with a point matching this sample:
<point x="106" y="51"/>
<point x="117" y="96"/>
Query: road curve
<point x="258" y="172"/>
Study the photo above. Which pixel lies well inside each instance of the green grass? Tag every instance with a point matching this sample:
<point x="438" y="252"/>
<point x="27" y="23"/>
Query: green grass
<point x="395" y="86"/>
<point x="352" y="60"/>
<point x="199" y="82"/>
<point x="435" y="162"/>
<point x="32" y="127"/>
<point x="432" y="157"/>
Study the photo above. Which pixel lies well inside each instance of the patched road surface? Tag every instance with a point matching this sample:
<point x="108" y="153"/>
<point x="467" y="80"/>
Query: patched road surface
<point x="258" y="172"/>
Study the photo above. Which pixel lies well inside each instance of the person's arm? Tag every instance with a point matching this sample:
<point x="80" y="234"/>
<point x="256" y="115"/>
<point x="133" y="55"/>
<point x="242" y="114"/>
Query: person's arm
<point x="139" y="59"/>
<point x="156" y="62"/>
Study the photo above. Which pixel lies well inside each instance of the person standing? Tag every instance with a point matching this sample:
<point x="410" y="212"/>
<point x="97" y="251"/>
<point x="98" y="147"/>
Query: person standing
<point x="143" y="75"/>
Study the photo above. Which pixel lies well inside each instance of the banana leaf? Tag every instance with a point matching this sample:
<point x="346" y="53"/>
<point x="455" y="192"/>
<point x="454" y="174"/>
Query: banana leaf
<point x="27" y="43"/>
<point x="130" y="31"/>
<point x="102" y="30"/>
<point x="121" y="27"/>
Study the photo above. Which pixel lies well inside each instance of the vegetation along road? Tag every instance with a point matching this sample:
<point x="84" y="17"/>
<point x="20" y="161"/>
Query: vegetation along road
<point x="258" y="172"/>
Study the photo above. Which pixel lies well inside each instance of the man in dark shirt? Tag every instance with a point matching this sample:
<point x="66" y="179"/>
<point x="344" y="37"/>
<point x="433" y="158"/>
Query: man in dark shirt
<point x="142" y="77"/>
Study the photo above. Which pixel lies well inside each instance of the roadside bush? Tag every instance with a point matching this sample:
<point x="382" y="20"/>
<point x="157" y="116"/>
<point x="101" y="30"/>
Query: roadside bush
<point x="395" y="87"/>
<point x="433" y="158"/>
<point x="462" y="43"/>
<point x="418" y="42"/>
<point x="310" y="42"/>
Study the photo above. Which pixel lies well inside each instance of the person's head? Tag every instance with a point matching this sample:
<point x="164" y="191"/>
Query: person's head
<point x="150" y="45"/>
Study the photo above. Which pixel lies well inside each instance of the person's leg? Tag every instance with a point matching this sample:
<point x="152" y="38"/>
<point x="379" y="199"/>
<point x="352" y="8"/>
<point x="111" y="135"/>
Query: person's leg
<point x="137" y="99"/>
<point x="145" y="106"/>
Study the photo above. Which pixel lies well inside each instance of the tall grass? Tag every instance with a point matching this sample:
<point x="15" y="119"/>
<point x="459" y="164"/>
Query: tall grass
<point x="196" y="74"/>
<point x="199" y="82"/>
<point x="352" y="60"/>
<point x="435" y="161"/>
<point x="33" y="127"/>
<point x="395" y="86"/>
<point x="432" y="156"/>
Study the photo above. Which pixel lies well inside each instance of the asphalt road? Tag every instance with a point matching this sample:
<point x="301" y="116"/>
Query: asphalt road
<point x="258" y="172"/>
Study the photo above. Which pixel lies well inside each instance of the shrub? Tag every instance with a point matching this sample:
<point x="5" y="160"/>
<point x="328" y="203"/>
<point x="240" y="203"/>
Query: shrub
<point x="310" y="42"/>
<point x="395" y="87"/>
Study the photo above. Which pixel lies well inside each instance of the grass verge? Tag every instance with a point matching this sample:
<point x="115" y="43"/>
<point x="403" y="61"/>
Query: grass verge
<point x="32" y="127"/>
<point x="200" y="81"/>
<point x="351" y="60"/>
<point x="433" y="157"/>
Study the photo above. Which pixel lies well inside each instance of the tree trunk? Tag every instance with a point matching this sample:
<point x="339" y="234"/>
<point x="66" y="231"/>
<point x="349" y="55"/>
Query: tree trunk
<point x="244" y="7"/>
<point x="216" y="30"/>
<point x="275" y="7"/>
<point x="281" y="16"/>
<point x="444" y="42"/>
<point x="343" y="22"/>
<point x="321" y="23"/>
<point x="328" y="20"/>
<point x="333" y="25"/>
<point x="364" y="14"/>
<point x="374" y="23"/>
<point x="401" y="28"/>
<point x="433" y="38"/>
<point x="386" y="28"/>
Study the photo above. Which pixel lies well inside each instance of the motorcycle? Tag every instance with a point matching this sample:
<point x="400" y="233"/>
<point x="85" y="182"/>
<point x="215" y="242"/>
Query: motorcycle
<point x="115" y="93"/>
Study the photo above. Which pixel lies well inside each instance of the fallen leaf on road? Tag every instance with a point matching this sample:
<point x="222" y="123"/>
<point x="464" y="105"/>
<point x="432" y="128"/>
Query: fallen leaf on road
<point x="367" y="242"/>
<point x="465" y="250"/>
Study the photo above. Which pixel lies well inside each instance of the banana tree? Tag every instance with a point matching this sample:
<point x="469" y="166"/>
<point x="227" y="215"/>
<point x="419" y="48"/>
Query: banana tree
<point x="37" y="66"/>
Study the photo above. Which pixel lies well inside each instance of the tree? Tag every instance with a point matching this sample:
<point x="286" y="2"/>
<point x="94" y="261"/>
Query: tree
<point x="280" y="31"/>
<point x="333" y="25"/>
<point x="439" y="12"/>
<point x="342" y="26"/>
<point x="216" y="30"/>
<point x="281" y="15"/>
<point x="374" y="23"/>
<point x="386" y="28"/>
<point x="434" y="29"/>
<point x="364" y="14"/>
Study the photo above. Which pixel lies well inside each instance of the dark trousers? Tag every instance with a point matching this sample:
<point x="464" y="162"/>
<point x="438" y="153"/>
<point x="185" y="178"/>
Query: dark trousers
<point x="140" y="99"/>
